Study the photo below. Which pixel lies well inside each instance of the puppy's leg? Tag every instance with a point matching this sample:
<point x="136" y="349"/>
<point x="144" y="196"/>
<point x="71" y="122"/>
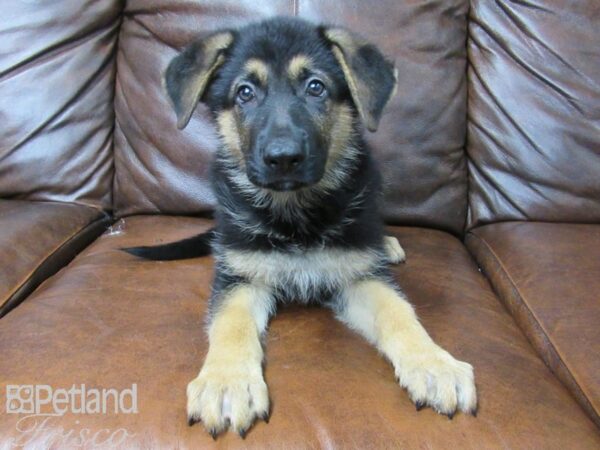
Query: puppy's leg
<point x="393" y="250"/>
<point x="429" y="373"/>
<point x="230" y="388"/>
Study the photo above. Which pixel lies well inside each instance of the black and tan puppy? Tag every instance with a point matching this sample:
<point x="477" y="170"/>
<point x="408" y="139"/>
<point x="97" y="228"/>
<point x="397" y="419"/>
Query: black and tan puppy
<point x="297" y="216"/>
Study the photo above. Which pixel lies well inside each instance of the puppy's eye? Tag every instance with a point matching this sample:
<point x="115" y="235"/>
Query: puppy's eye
<point x="245" y="93"/>
<point x="315" y="88"/>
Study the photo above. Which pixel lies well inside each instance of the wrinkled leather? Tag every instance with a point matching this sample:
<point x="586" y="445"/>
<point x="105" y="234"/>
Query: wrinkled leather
<point x="56" y="100"/>
<point x="548" y="277"/>
<point x="534" y="111"/>
<point x="420" y="143"/>
<point x="37" y="239"/>
<point x="110" y="320"/>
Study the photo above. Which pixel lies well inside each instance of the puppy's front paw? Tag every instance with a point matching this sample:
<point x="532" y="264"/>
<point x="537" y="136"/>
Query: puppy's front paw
<point x="228" y="394"/>
<point x="440" y="381"/>
<point x="395" y="253"/>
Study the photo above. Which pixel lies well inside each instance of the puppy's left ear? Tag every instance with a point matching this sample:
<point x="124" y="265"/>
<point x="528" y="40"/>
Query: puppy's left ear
<point x="188" y="73"/>
<point x="370" y="76"/>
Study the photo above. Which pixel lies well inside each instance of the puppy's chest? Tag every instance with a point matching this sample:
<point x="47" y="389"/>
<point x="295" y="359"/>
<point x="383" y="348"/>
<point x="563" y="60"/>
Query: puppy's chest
<point x="302" y="274"/>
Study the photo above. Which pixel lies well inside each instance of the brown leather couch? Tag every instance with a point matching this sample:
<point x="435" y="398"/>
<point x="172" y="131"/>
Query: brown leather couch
<point x="491" y="159"/>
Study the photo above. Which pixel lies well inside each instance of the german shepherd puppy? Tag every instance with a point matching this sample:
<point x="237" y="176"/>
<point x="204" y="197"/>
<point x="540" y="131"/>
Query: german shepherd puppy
<point x="297" y="216"/>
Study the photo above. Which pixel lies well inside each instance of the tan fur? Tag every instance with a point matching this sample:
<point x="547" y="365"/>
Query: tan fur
<point x="230" y="385"/>
<point x="345" y="47"/>
<point x="258" y="68"/>
<point x="219" y="41"/>
<point x="342" y="130"/>
<point x="429" y="373"/>
<point x="357" y="89"/>
<point x="303" y="271"/>
<point x="228" y="129"/>
<point x="393" y="250"/>
<point x="340" y="127"/>
<point x="344" y="39"/>
<point x="193" y="90"/>
<point x="297" y="65"/>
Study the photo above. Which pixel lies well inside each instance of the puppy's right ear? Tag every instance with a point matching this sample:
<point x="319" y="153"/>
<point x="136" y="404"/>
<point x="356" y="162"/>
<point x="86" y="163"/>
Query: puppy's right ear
<point x="188" y="74"/>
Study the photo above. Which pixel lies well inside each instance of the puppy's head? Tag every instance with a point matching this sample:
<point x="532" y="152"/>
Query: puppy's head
<point x="286" y="95"/>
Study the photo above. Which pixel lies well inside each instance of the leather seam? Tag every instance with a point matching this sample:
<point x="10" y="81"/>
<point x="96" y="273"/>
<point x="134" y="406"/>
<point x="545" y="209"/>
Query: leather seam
<point x="64" y="244"/>
<point x="534" y="322"/>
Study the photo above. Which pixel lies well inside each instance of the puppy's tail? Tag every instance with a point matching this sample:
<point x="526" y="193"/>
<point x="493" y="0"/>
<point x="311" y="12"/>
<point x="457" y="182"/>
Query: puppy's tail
<point x="192" y="247"/>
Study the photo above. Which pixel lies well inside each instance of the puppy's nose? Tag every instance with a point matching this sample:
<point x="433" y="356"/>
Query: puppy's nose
<point x="284" y="155"/>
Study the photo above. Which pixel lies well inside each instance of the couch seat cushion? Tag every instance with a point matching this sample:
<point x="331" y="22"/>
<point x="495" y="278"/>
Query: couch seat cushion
<point x="110" y="320"/>
<point x="37" y="239"/>
<point x="548" y="276"/>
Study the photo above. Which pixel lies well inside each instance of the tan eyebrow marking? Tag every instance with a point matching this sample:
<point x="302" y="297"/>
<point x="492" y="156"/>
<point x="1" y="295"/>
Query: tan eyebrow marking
<point x="297" y="64"/>
<point x="258" y="68"/>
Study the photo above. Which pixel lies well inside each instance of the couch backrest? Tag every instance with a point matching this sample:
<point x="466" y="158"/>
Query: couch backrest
<point x="533" y="87"/>
<point x="420" y="143"/>
<point x="56" y="100"/>
<point x="534" y="111"/>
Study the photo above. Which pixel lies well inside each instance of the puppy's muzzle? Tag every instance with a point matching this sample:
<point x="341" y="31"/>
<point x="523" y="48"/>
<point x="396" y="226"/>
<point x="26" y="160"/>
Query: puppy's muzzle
<point x="284" y="156"/>
<point x="283" y="160"/>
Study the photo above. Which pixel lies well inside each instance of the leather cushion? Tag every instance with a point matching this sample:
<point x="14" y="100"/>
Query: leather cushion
<point x="37" y="239"/>
<point x="110" y="320"/>
<point x="534" y="114"/>
<point x="420" y="142"/>
<point x="57" y="74"/>
<point x="548" y="276"/>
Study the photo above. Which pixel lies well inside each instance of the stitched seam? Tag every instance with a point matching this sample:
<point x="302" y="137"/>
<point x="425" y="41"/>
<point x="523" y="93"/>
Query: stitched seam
<point x="117" y="46"/>
<point x="534" y="322"/>
<point x="56" y="249"/>
<point x="467" y="157"/>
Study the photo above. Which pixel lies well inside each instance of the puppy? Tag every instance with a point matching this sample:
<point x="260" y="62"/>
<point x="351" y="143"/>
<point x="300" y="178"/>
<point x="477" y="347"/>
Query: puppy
<point x="298" y="211"/>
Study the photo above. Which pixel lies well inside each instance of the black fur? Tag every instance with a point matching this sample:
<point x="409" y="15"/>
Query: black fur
<point x="192" y="247"/>
<point x="252" y="218"/>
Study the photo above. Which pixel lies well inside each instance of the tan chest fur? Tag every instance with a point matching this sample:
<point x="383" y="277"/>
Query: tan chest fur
<point x="304" y="273"/>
